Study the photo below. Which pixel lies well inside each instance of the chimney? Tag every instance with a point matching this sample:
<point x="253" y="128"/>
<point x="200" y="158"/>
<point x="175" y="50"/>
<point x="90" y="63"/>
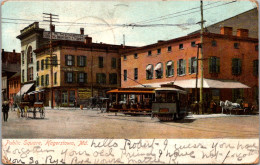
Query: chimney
<point x="53" y="28"/>
<point x="242" y="33"/>
<point x="82" y="31"/>
<point x="88" y="40"/>
<point x="226" y="30"/>
<point x="14" y="51"/>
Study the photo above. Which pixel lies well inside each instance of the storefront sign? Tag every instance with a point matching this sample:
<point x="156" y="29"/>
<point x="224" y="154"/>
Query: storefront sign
<point x="64" y="36"/>
<point x="84" y="93"/>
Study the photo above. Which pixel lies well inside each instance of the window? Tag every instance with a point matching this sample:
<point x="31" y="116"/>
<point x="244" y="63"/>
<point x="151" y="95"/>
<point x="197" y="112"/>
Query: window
<point x="169" y="69"/>
<point x="22" y="57"/>
<point x="193" y="65"/>
<point x="38" y="65"/>
<point x="214" y="43"/>
<point x="255" y="67"/>
<point x="113" y="63"/>
<point x="101" y="78"/>
<point x="46" y="79"/>
<point x="71" y="98"/>
<point x="22" y="75"/>
<point x="30" y="74"/>
<point x="149" y="53"/>
<point x="149" y="72"/>
<point x="159" y="70"/>
<point x="236" y="45"/>
<point x="214" y="65"/>
<point x="100" y="62"/>
<point x="112" y="78"/>
<point x="81" y="60"/>
<point x="29" y="55"/>
<point x="236" y="66"/>
<point x="54" y="61"/>
<point x="47" y="63"/>
<point x="69" y="77"/>
<point x="180" y="46"/>
<point x="169" y="48"/>
<point x="181" y="67"/>
<point x="158" y="51"/>
<point x="136" y="73"/>
<point x="42" y="64"/>
<point x="42" y="80"/>
<point x="69" y="60"/>
<point x="82" y="77"/>
<point x="125" y="75"/>
<point x="256" y="47"/>
<point x="135" y="55"/>
<point x="55" y="78"/>
<point x="193" y="44"/>
<point x="125" y="58"/>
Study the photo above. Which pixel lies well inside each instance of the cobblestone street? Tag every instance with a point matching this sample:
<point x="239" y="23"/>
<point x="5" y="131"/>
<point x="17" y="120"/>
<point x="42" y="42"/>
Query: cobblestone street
<point x="75" y="123"/>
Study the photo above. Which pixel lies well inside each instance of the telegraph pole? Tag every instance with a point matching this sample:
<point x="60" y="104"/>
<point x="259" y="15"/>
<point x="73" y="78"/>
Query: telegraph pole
<point x="51" y="17"/>
<point x="201" y="56"/>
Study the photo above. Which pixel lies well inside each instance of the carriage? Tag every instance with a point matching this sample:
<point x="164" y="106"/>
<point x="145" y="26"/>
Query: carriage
<point x="27" y="108"/>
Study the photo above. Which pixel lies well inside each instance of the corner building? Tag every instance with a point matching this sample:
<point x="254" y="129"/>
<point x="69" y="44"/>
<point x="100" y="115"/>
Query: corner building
<point x="230" y="65"/>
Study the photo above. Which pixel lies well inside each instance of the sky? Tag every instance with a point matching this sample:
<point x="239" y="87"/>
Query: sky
<point x="108" y="21"/>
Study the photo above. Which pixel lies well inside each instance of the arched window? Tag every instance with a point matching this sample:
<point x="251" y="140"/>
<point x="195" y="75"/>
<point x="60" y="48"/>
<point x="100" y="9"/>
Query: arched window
<point x="29" y="55"/>
<point x="149" y="72"/>
<point x="159" y="70"/>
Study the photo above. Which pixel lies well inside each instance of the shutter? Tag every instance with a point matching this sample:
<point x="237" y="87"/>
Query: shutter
<point x="178" y="69"/>
<point x="162" y="71"/>
<point x="210" y="67"/>
<point x="173" y="68"/>
<point x="73" y="60"/>
<point x="190" y="65"/>
<point x="85" y="78"/>
<point x="66" y="60"/>
<point x="167" y="72"/>
<point x="65" y="76"/>
<point x="218" y="65"/>
<point x="152" y="72"/>
<point x="239" y="66"/>
<point x="196" y="65"/>
<point x="74" y="76"/>
<point x="85" y="61"/>
<point x="184" y="67"/>
<point x="78" y="60"/>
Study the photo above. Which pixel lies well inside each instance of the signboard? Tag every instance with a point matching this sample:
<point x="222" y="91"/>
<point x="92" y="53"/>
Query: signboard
<point x="84" y="93"/>
<point x="64" y="36"/>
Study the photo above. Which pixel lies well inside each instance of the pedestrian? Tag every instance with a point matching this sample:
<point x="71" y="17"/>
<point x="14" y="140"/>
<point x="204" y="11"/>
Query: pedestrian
<point x="5" y="110"/>
<point x="213" y="106"/>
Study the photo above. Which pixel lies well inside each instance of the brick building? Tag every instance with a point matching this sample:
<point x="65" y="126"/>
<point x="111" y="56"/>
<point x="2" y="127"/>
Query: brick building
<point x="84" y="70"/>
<point x="14" y="85"/>
<point x="230" y="65"/>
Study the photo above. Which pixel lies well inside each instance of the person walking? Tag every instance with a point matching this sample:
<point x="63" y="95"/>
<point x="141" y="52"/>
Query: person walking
<point x="5" y="110"/>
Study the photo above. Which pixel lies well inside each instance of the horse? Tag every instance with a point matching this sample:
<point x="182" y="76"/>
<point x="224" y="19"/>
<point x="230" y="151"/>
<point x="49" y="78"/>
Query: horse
<point x="228" y="105"/>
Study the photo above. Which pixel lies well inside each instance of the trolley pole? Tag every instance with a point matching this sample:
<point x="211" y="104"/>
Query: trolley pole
<point x="51" y="17"/>
<point x="201" y="52"/>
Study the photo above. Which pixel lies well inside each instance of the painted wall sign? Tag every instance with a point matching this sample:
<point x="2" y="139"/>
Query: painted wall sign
<point x="64" y="36"/>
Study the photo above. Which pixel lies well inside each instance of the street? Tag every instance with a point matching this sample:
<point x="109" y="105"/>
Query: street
<point x="75" y="123"/>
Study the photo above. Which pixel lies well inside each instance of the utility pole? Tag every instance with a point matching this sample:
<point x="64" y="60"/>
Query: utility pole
<point x="201" y="57"/>
<point x="51" y="17"/>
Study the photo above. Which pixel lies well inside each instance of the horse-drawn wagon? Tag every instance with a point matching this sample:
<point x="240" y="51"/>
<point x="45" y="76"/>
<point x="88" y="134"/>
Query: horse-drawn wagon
<point x="25" y="108"/>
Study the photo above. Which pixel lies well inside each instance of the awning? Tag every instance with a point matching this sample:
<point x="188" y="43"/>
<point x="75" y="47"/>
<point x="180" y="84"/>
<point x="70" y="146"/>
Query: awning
<point x="149" y="67"/>
<point x="158" y="66"/>
<point x="25" y="89"/>
<point x="207" y="83"/>
<point x="170" y="89"/>
<point x="169" y="63"/>
<point x="132" y="91"/>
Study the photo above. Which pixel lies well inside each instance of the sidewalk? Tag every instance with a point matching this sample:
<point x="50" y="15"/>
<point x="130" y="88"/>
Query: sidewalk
<point x="193" y="116"/>
<point x="70" y="108"/>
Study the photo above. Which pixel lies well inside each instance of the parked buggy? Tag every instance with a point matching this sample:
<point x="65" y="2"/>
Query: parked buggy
<point x="25" y="108"/>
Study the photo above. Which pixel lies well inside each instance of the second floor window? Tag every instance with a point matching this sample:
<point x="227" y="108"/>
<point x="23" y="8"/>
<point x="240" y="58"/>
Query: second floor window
<point x="136" y="73"/>
<point x="255" y="67"/>
<point x="149" y="53"/>
<point x="46" y="79"/>
<point x="135" y="55"/>
<point x="181" y="67"/>
<point x="69" y="77"/>
<point x="180" y="46"/>
<point x="46" y="63"/>
<point x="81" y="60"/>
<point x="214" y="65"/>
<point x="30" y="74"/>
<point x="55" y="78"/>
<point x="214" y="43"/>
<point x="236" y="45"/>
<point x="113" y="63"/>
<point x="100" y="62"/>
<point x="125" y="75"/>
<point x="158" y="51"/>
<point x="101" y="78"/>
<point x="29" y="55"/>
<point x="149" y="72"/>
<point x="236" y="66"/>
<point x="193" y="65"/>
<point x="169" y="48"/>
<point x="158" y="70"/>
<point x="82" y="77"/>
<point x="38" y="65"/>
<point x="112" y="78"/>
<point x="69" y="60"/>
<point x="169" y="69"/>
<point x="42" y="80"/>
<point x="42" y="64"/>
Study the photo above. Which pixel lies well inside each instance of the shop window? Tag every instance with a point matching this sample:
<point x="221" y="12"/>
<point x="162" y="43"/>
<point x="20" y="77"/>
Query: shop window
<point x="101" y="78"/>
<point x="149" y="53"/>
<point x="136" y="73"/>
<point x="193" y="44"/>
<point x="64" y="97"/>
<point x="169" y="48"/>
<point x="236" y="45"/>
<point x="71" y="98"/>
<point x="135" y="55"/>
<point x="193" y="65"/>
<point x="214" y="65"/>
<point x="42" y="64"/>
<point x="47" y="79"/>
<point x="159" y="51"/>
<point x="180" y="46"/>
<point x="158" y="70"/>
<point x="55" y="78"/>
<point x="69" y="60"/>
<point x="42" y="80"/>
<point x="113" y="63"/>
<point x="113" y="78"/>
<point x="255" y="67"/>
<point x="169" y="69"/>
<point x="125" y="75"/>
<point x="214" y="43"/>
<point x="149" y="72"/>
<point x="38" y="65"/>
<point x="181" y="67"/>
<point x="236" y="66"/>
<point x="81" y="60"/>
<point x="100" y="62"/>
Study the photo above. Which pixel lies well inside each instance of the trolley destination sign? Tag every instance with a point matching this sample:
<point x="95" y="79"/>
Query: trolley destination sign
<point x="64" y="36"/>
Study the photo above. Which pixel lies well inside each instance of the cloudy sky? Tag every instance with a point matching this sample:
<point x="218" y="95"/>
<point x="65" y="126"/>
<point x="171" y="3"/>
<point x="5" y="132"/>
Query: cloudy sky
<point x="107" y="21"/>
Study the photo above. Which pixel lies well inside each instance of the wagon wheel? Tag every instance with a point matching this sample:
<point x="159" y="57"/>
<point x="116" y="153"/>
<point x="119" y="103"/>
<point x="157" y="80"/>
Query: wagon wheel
<point x="42" y="112"/>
